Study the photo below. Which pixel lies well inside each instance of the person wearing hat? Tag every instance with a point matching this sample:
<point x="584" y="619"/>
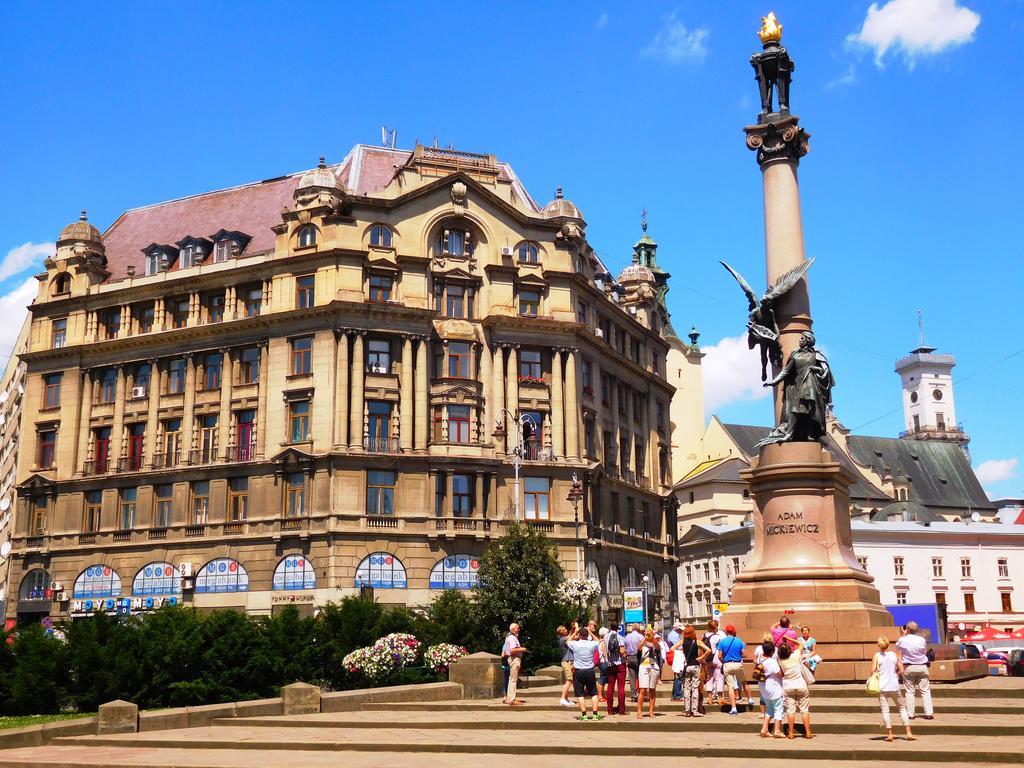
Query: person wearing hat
<point x="730" y="652"/>
<point x="677" y="681"/>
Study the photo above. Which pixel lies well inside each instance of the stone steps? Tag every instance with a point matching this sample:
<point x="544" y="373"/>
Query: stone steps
<point x="599" y="739"/>
<point x="965" y="725"/>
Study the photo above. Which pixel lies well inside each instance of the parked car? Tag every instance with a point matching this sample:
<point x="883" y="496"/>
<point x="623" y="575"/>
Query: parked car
<point x="970" y="651"/>
<point x="998" y="662"/>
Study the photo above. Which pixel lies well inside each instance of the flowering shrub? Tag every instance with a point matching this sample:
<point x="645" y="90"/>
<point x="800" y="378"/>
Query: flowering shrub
<point x="440" y="657"/>
<point x="371" y="662"/>
<point x="402" y="648"/>
<point x="579" y="591"/>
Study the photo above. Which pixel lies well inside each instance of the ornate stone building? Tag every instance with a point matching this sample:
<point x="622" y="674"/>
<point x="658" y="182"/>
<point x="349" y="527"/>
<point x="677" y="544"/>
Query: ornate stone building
<point x="288" y="390"/>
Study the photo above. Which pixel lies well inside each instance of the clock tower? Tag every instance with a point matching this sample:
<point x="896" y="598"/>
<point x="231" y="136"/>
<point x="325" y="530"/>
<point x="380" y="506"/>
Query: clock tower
<point x="929" y="408"/>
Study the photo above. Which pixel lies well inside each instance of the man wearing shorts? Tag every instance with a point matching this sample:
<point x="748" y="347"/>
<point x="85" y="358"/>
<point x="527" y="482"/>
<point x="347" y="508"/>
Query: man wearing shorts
<point x="730" y="651"/>
<point x="584" y="679"/>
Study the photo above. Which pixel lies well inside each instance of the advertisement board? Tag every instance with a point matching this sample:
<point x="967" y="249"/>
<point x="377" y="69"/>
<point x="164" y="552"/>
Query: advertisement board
<point x="633" y="606"/>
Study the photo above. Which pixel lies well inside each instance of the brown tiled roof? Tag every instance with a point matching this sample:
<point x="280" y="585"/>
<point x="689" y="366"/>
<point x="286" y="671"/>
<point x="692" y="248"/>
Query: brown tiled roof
<point x="250" y="208"/>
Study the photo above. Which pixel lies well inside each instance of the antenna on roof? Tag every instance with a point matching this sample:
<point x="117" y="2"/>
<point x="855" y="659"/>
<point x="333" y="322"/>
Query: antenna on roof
<point x="388" y="136"/>
<point x="920" y="328"/>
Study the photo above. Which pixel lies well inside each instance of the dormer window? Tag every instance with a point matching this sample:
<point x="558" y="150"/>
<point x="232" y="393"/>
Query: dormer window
<point x="380" y="236"/>
<point x="455" y="243"/>
<point x="156" y="254"/>
<point x="228" y="245"/>
<point x="190" y="255"/>
<point x="192" y="251"/>
<point x="307" y="236"/>
<point x="528" y="253"/>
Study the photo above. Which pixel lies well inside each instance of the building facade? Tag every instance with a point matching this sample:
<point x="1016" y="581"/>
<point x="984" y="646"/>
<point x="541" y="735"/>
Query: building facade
<point x="929" y="407"/>
<point x="12" y="390"/>
<point x="290" y="390"/>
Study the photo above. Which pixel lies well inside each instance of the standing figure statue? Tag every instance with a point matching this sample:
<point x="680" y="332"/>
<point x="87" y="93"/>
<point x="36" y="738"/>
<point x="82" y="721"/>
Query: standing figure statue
<point x="762" y="328"/>
<point x="806" y="396"/>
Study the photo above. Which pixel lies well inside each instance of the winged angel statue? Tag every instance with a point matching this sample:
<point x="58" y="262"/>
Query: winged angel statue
<point x="762" y="329"/>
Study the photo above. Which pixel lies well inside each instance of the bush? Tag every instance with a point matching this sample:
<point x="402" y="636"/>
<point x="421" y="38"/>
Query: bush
<point x="36" y="682"/>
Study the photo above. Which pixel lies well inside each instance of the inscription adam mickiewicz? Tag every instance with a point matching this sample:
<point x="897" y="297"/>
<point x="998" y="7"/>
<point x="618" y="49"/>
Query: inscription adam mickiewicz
<point x="774" y="529"/>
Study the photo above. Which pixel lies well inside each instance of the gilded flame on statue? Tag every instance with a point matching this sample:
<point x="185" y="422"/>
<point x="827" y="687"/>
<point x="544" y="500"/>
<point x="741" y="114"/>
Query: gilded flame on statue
<point x="771" y="30"/>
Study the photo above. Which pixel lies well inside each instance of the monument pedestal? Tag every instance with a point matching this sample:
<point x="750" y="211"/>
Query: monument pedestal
<point x="803" y="565"/>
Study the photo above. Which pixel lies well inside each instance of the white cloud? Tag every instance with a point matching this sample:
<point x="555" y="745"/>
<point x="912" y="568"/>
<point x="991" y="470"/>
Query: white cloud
<point x="849" y="77"/>
<point x="24" y="256"/>
<point x="675" y="43"/>
<point x="996" y="470"/>
<point x="12" y="309"/>
<point x="916" y="27"/>
<point x="602" y="21"/>
<point x="732" y="373"/>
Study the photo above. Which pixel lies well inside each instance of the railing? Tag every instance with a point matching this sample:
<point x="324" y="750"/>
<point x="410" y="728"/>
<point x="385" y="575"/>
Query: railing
<point x="381" y="444"/>
<point x="203" y="455"/>
<point x="87" y="538"/>
<point x="195" y="531"/>
<point x="129" y="463"/>
<point x="381" y="521"/>
<point x="945" y="429"/>
<point x="628" y="476"/>
<point x="157" y="533"/>
<point x="542" y="525"/>
<point x="96" y="467"/>
<point x="122" y="536"/>
<point x="293" y="523"/>
<point x="244" y="452"/>
<point x="166" y="460"/>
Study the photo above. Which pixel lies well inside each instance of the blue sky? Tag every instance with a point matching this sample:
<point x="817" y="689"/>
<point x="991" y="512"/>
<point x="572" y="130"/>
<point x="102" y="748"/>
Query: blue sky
<point x="910" y="193"/>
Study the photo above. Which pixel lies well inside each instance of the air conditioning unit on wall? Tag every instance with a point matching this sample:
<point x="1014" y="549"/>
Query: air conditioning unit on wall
<point x="138" y="392"/>
<point x="506" y="250"/>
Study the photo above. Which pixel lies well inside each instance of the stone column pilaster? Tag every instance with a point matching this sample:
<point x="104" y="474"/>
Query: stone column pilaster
<point x="358" y="394"/>
<point x="478" y="494"/>
<point x="573" y="415"/>
<point x="341" y="391"/>
<point x="153" y="408"/>
<point x="117" y="431"/>
<point x="405" y="436"/>
<point x="498" y="388"/>
<point x="84" y="430"/>
<point x="261" y="400"/>
<point x="224" y="416"/>
<point x="513" y="380"/>
<point x="188" y="417"/>
<point x="487" y="379"/>
<point x="557" y="404"/>
<point x="422" y="415"/>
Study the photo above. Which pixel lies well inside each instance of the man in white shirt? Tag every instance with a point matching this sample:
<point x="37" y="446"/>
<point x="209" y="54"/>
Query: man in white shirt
<point x="512" y="651"/>
<point x="913" y="651"/>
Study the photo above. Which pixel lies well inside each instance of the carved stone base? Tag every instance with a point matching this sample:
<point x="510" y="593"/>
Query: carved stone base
<point x="803" y="561"/>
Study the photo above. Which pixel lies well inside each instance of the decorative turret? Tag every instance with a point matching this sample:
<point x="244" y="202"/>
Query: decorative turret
<point x="319" y="187"/>
<point x="573" y="225"/>
<point x="80" y="238"/>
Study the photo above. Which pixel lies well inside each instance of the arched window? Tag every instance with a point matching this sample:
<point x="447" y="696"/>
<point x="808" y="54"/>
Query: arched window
<point x="612" y="584"/>
<point x="158" y="578"/>
<point x="294" y="572"/>
<point x="631" y="578"/>
<point x="380" y="235"/>
<point x="35" y="585"/>
<point x="223" y="575"/>
<point x="307" y="236"/>
<point x="381" y="570"/>
<point x="592" y="572"/>
<point x="707" y="603"/>
<point x="689" y="605"/>
<point x="98" y="581"/>
<point x="652" y="585"/>
<point x="528" y="252"/>
<point x="454" y="243"/>
<point x="62" y="283"/>
<point x="666" y="586"/>
<point x="455" y="572"/>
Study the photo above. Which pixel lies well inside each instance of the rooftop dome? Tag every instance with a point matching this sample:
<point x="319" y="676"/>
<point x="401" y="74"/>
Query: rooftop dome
<point x="80" y="231"/>
<point x="561" y="207"/>
<point x="636" y="273"/>
<point x="321" y="177"/>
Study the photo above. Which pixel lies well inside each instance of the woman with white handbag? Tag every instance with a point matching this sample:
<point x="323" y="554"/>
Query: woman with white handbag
<point x="886" y="670"/>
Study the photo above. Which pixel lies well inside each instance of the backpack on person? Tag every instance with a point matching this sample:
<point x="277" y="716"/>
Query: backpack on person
<point x="758" y="675"/>
<point x="614" y="646"/>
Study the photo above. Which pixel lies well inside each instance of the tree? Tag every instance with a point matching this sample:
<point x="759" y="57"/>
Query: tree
<point x="517" y="582"/>
<point x="36" y="684"/>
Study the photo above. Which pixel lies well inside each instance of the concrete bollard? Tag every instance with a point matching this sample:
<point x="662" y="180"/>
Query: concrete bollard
<point x="118" y="717"/>
<point x="300" y="699"/>
<point x="480" y="676"/>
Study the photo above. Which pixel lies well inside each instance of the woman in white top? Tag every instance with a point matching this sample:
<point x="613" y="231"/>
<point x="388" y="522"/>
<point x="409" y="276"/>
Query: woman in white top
<point x="758" y="656"/>
<point x="798" y="695"/>
<point x="649" y="655"/>
<point x="773" y="693"/>
<point x="889" y="668"/>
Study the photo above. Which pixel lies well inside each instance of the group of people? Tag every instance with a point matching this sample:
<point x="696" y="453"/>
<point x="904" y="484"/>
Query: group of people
<point x="601" y="665"/>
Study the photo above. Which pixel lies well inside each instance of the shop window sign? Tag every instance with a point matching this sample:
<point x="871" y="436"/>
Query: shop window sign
<point x="222" y="575"/>
<point x="381" y="571"/>
<point x="455" y="572"/>
<point x="98" y="581"/>
<point x="294" y="572"/>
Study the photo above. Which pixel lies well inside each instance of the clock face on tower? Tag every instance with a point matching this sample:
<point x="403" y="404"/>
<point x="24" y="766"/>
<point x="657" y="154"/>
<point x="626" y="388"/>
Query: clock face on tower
<point x="937" y="394"/>
<point x="913" y="397"/>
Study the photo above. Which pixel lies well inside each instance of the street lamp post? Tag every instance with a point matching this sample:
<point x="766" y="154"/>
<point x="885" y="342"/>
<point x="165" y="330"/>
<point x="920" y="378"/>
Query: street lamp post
<point x="575" y="495"/>
<point x="647" y="615"/>
<point x="518" y="448"/>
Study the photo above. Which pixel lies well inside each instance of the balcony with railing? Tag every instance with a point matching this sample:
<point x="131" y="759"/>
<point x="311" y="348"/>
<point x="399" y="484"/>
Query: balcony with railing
<point x="459" y="523"/>
<point x="96" y="467"/>
<point x="950" y="432"/>
<point x="130" y="463"/>
<point x="241" y="452"/>
<point x="206" y="455"/>
<point x="166" y="460"/>
<point x="381" y="444"/>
